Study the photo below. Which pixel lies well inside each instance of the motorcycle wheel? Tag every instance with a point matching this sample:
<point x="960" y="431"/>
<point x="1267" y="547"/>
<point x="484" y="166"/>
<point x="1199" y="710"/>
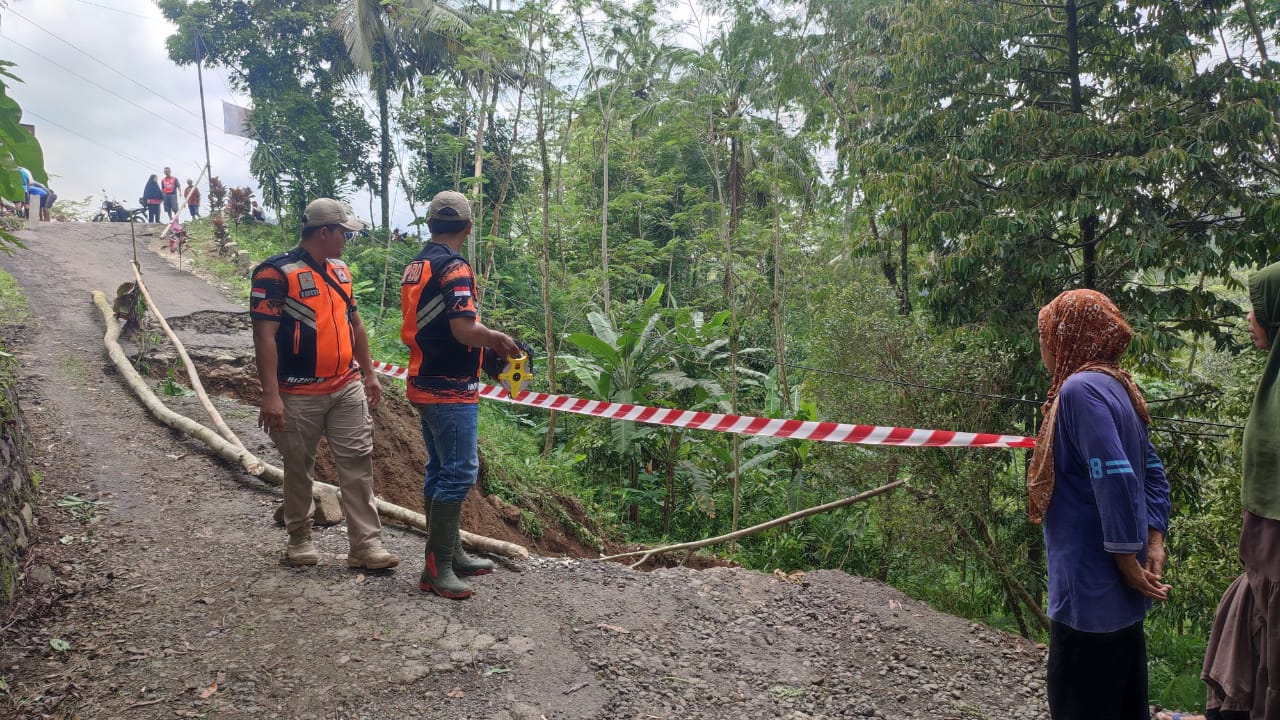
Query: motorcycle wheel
<point x="99" y="218"/>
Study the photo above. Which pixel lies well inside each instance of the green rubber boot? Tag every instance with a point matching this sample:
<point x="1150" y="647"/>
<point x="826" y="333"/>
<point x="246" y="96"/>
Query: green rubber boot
<point x="468" y="565"/>
<point x="464" y="564"/>
<point x="426" y="513"/>
<point x="442" y="534"/>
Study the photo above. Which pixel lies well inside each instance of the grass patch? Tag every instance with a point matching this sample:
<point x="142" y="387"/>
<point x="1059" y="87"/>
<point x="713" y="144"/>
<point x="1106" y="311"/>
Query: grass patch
<point x="260" y="241"/>
<point x="13" y="304"/>
<point x="1173" y="667"/>
<point x="73" y="366"/>
<point x="516" y="472"/>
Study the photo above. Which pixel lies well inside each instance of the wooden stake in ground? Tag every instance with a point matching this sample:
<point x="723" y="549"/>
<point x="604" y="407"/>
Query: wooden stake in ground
<point x="248" y="461"/>
<point x="755" y="528"/>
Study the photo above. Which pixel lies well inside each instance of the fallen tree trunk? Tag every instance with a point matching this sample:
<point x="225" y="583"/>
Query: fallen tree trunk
<point x="247" y="460"/>
<point x="218" y="423"/>
<point x="227" y="450"/>
<point x="756" y="528"/>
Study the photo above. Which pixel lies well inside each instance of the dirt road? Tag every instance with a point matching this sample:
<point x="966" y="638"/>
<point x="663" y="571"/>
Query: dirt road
<point x="169" y="600"/>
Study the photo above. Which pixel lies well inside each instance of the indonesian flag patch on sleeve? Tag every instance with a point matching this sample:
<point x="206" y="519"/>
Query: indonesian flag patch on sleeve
<point x="462" y="292"/>
<point x="259" y="293"/>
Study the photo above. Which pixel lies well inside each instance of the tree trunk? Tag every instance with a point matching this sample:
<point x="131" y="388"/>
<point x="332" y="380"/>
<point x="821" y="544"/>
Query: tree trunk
<point x="673" y="457"/>
<point x="888" y="538"/>
<point x="736" y="440"/>
<point x="544" y="249"/>
<point x="510" y="163"/>
<point x="477" y="168"/>
<point x="1256" y="27"/>
<point x="777" y="304"/>
<point x="1261" y="40"/>
<point x="493" y="236"/>
<point x="604" y="214"/>
<point x="904" y="287"/>
<point x="384" y="152"/>
<point x="1089" y="223"/>
<point x="735" y="180"/>
<point x="733" y="536"/>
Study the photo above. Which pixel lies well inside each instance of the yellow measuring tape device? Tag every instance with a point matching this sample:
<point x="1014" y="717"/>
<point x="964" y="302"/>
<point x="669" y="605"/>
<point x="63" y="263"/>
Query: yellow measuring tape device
<point x="514" y="375"/>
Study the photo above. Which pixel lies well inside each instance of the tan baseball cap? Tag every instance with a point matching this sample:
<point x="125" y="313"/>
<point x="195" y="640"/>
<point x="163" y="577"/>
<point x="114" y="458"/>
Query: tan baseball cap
<point x="449" y="205"/>
<point x="327" y="211"/>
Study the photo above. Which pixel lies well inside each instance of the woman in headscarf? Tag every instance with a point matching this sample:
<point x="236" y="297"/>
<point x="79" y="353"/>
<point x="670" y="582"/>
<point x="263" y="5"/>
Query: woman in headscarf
<point x="152" y="196"/>
<point x="1099" y="488"/>
<point x="1242" y="662"/>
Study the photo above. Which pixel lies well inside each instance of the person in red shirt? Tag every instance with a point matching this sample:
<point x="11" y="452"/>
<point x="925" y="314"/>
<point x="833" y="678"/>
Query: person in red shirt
<point x="169" y="186"/>
<point x="317" y="379"/>
<point x="193" y="199"/>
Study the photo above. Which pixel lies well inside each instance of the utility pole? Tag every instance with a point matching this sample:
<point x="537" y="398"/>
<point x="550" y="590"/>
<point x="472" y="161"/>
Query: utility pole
<point x="204" y="122"/>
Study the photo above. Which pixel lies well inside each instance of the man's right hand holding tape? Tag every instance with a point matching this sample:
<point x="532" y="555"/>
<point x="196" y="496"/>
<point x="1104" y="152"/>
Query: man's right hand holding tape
<point x="510" y="371"/>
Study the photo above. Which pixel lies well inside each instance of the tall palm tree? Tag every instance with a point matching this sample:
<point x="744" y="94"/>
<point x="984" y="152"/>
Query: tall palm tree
<point x="393" y="43"/>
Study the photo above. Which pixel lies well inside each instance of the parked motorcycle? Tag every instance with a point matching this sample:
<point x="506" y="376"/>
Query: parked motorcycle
<point x="113" y="211"/>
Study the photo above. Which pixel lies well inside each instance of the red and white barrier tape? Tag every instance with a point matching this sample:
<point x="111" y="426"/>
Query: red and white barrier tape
<point x="745" y="425"/>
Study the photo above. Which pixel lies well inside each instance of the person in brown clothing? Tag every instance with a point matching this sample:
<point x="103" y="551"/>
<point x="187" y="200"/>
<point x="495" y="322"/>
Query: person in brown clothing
<point x="317" y="377"/>
<point x="193" y="199"/>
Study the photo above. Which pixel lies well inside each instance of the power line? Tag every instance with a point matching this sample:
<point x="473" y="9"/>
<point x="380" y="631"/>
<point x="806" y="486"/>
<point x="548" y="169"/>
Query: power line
<point x="99" y="61"/>
<point x="126" y="156"/>
<point x="123" y="12"/>
<point x="101" y="87"/>
<point x="108" y="90"/>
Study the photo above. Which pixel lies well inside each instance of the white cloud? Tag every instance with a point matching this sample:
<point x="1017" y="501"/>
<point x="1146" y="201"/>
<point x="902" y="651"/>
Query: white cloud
<point x="108" y="105"/>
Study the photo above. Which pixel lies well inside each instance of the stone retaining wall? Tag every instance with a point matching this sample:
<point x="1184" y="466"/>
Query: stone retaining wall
<point x="17" y="486"/>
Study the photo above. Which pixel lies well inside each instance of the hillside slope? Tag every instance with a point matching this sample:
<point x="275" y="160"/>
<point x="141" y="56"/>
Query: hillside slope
<point x="169" y="598"/>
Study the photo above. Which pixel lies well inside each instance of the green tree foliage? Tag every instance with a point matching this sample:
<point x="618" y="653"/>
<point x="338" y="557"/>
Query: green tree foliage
<point x="882" y="193"/>
<point x="313" y="138"/>
<point x="392" y="42"/>
<point x="18" y="147"/>
<point x="1038" y="146"/>
<point x="976" y="525"/>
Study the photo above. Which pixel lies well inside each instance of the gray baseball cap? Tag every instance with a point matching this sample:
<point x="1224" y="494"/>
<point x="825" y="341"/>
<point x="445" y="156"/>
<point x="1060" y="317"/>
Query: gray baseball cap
<point x="449" y="205"/>
<point x="327" y="211"/>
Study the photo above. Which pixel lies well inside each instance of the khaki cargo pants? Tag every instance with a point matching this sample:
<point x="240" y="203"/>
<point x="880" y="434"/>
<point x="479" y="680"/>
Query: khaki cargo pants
<point x="343" y="418"/>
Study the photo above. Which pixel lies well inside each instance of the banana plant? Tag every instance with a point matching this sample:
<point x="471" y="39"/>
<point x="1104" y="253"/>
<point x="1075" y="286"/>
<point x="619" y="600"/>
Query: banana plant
<point x="637" y="360"/>
<point x="620" y="361"/>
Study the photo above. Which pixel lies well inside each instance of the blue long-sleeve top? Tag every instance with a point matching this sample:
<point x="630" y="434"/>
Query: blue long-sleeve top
<point x="1110" y="488"/>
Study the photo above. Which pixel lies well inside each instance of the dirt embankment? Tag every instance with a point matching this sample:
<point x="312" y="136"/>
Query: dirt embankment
<point x="157" y="591"/>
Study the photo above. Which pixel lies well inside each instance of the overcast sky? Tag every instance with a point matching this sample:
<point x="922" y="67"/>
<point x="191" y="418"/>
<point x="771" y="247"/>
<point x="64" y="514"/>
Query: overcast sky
<point x="110" y="108"/>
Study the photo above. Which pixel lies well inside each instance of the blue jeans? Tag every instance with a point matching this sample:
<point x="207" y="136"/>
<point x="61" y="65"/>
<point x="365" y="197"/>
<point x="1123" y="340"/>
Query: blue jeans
<point x="451" y="432"/>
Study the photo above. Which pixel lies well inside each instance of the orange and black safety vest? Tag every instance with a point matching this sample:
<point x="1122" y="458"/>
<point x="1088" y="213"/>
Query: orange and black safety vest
<point x="315" y="343"/>
<point x="437" y="286"/>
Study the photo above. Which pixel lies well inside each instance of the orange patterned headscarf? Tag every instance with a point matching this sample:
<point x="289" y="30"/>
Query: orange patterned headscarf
<point x="1082" y="330"/>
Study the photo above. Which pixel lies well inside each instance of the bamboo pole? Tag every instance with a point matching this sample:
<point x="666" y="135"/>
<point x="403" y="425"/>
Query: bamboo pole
<point x="756" y="528"/>
<point x="218" y="423"/>
<point x="246" y="460"/>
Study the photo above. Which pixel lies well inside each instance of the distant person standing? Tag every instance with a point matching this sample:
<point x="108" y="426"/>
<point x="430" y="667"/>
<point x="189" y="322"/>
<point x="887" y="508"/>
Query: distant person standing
<point x="169" y="186"/>
<point x="152" y="197"/>
<point x="33" y="189"/>
<point x="46" y="208"/>
<point x="193" y="199"/>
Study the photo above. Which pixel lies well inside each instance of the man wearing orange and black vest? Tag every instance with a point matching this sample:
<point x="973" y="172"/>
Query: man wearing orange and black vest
<point x="441" y="325"/>
<point x="317" y="379"/>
